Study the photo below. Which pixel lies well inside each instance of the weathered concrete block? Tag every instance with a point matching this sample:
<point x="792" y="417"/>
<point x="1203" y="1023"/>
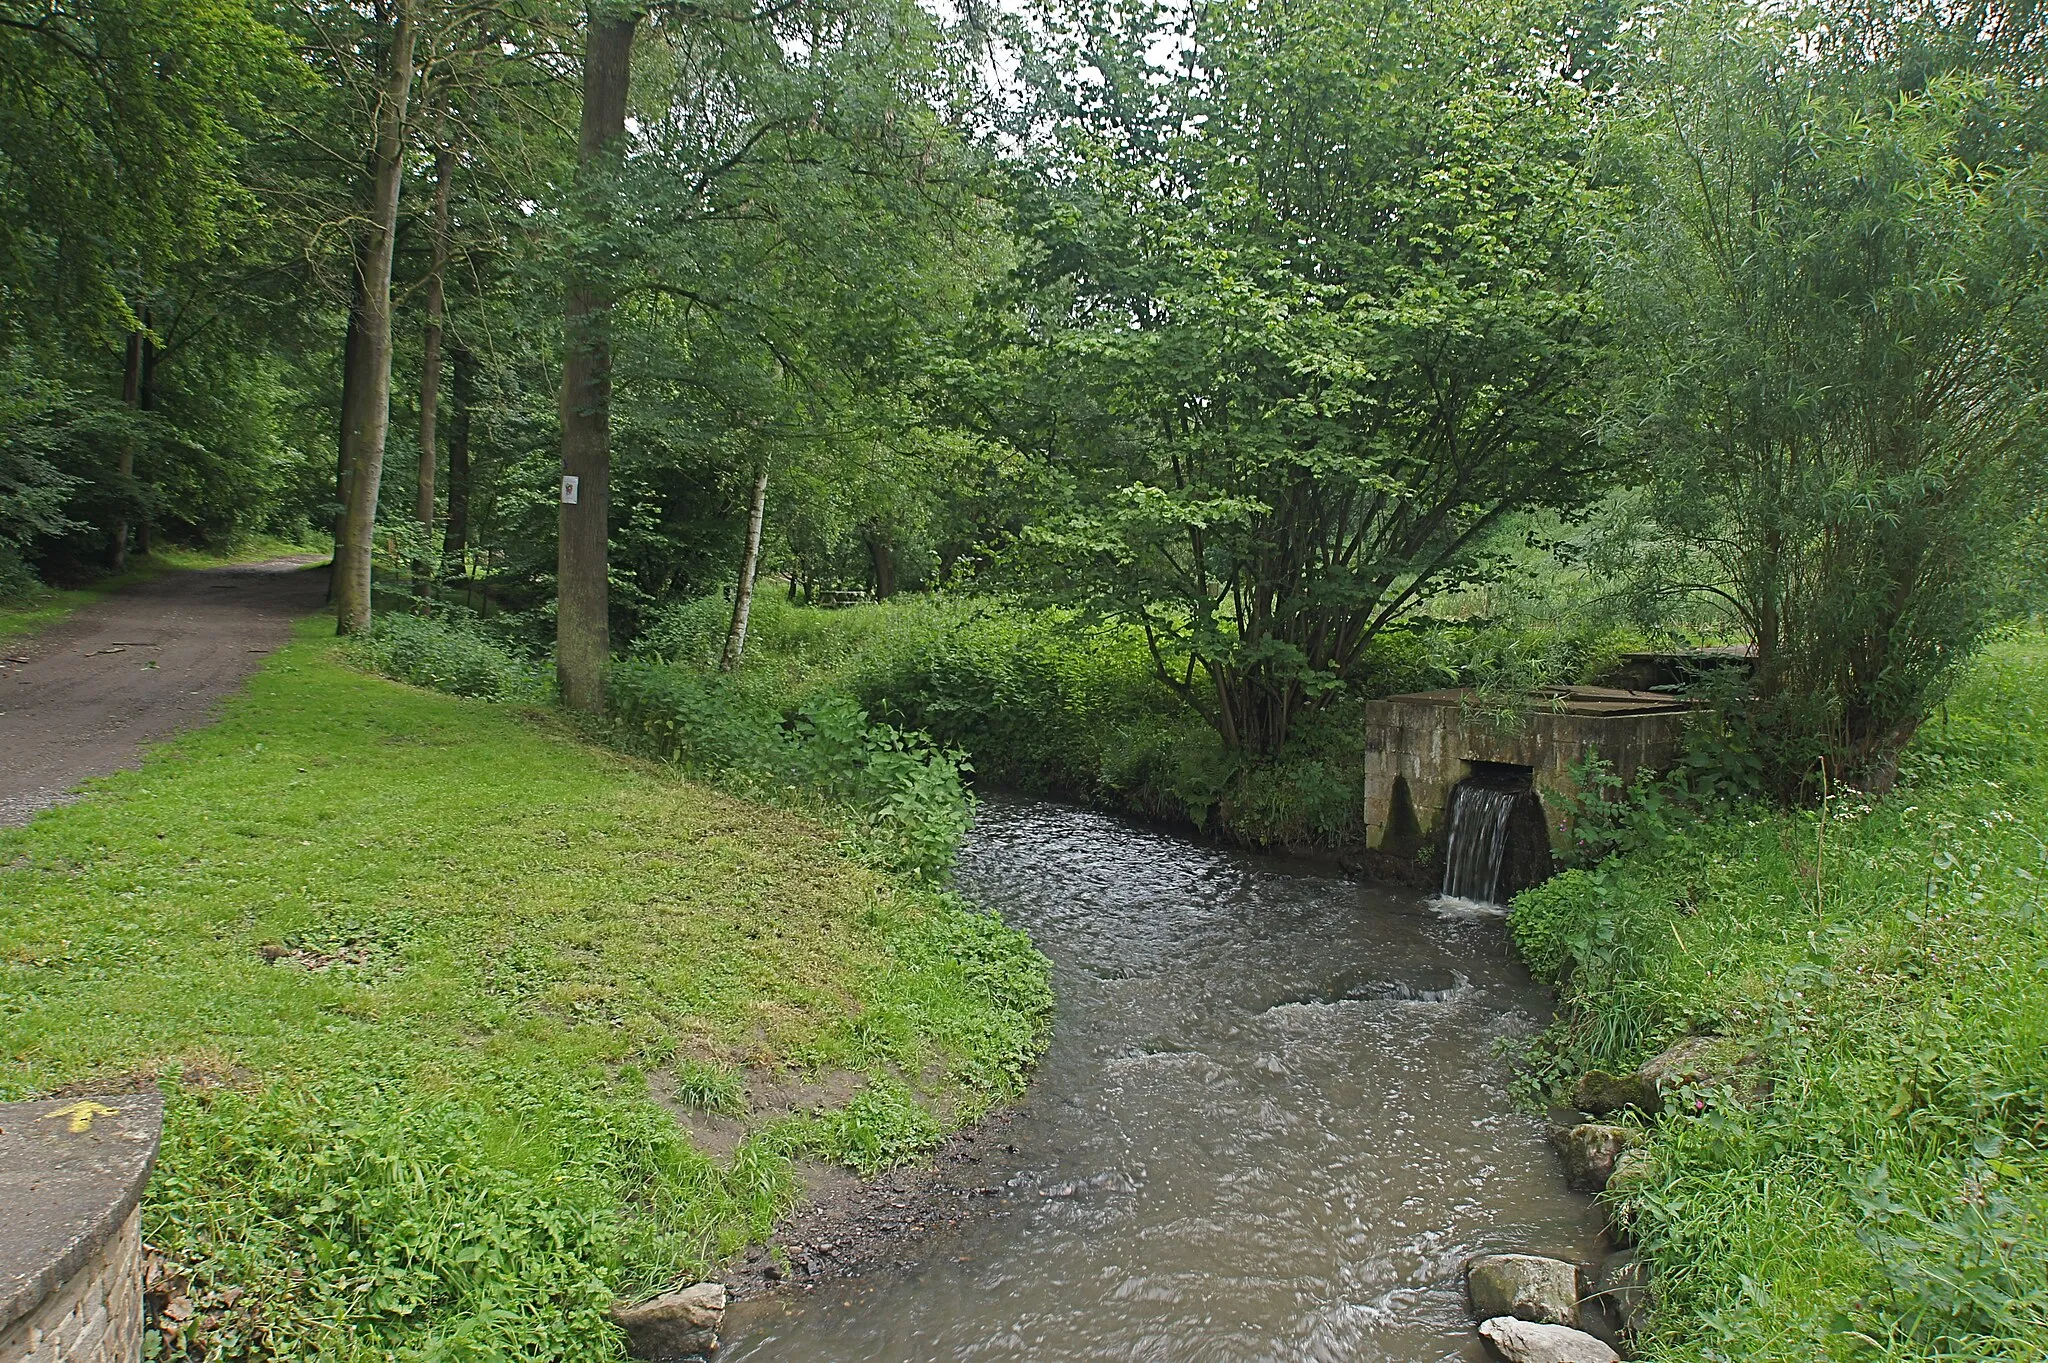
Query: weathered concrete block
<point x="72" y="1173"/>
<point x="1419" y="746"/>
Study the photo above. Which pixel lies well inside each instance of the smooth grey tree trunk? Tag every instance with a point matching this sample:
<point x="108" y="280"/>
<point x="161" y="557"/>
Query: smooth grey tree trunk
<point x="367" y="419"/>
<point x="455" y="543"/>
<point x="430" y="372"/>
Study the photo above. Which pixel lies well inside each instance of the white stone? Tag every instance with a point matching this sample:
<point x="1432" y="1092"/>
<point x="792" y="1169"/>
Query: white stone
<point x="1526" y="1341"/>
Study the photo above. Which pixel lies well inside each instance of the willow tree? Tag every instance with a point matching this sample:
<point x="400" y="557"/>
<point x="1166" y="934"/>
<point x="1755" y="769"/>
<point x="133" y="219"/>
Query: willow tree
<point x="1834" y="295"/>
<point x="1312" y="285"/>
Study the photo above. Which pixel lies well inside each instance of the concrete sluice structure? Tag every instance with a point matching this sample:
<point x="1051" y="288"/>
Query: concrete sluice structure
<point x="1420" y="748"/>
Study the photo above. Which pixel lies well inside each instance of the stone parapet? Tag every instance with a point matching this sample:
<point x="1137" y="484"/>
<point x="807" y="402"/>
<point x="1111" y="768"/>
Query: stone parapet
<point x="1420" y="746"/>
<point x="72" y="1172"/>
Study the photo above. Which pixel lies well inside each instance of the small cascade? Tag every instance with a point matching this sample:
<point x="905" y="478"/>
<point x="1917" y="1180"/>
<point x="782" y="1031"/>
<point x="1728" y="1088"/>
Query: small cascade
<point x="1478" y="844"/>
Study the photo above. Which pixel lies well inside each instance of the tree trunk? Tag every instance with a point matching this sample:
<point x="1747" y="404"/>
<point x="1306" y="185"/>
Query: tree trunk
<point x="367" y="419"/>
<point x="583" y="606"/>
<point x="881" y="565"/>
<point x="455" y="545"/>
<point x="750" y="562"/>
<point x="351" y="343"/>
<point x="145" y="401"/>
<point x="430" y="372"/>
<point x="124" y="460"/>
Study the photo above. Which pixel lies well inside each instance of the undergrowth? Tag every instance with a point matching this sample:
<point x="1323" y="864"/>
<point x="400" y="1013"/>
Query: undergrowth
<point x="1044" y="702"/>
<point x="1877" y="1185"/>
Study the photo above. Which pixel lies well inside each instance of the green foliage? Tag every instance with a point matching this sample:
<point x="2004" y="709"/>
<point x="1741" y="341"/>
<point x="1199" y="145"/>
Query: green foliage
<point x="451" y="653"/>
<point x="881" y="1127"/>
<point x="1327" y="325"/>
<point x="1044" y="702"/>
<point x="453" y="1151"/>
<point x="121" y="161"/>
<point x="713" y="1088"/>
<point x="1833" y="294"/>
<point x="903" y="796"/>
<point x="1873" y="1186"/>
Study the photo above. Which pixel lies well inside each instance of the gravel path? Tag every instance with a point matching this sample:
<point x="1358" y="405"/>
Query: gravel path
<point x="84" y="697"/>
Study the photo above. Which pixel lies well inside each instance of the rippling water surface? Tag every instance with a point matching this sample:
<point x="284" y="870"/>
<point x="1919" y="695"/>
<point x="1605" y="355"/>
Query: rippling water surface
<point x="1271" y="1124"/>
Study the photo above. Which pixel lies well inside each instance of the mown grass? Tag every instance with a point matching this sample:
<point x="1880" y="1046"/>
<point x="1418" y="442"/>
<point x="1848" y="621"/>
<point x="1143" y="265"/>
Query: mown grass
<point x="1884" y="1192"/>
<point x="43" y="607"/>
<point x="404" y="964"/>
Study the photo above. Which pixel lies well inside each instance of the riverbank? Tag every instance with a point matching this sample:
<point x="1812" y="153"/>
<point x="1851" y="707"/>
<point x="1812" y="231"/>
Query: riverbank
<point x="1046" y="703"/>
<point x="435" y="988"/>
<point x="1865" y="1174"/>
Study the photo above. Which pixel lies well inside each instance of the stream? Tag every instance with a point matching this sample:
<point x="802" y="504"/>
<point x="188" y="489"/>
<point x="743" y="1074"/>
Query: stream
<point x="1272" y="1123"/>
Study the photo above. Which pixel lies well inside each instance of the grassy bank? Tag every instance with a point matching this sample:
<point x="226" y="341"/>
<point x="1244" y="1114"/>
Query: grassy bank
<point x="42" y="607"/>
<point x="1045" y="703"/>
<point x="1876" y="1185"/>
<point x="417" y="974"/>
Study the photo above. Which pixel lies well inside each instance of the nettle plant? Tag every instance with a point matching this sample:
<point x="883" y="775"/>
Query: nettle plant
<point x="904" y="797"/>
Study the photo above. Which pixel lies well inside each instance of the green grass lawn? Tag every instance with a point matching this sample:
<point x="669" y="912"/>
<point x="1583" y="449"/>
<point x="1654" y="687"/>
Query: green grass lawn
<point x="45" y="606"/>
<point x="1887" y="1196"/>
<point x="405" y="963"/>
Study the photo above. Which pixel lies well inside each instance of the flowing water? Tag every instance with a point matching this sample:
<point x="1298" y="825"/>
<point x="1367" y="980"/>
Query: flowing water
<point x="1477" y="844"/>
<point x="1271" y="1124"/>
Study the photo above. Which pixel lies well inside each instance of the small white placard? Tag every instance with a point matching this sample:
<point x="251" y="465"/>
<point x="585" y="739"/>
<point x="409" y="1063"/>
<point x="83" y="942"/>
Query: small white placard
<point x="568" y="489"/>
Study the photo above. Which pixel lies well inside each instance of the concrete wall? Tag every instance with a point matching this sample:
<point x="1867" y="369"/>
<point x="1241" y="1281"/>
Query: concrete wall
<point x="1418" y="747"/>
<point x="72" y="1173"/>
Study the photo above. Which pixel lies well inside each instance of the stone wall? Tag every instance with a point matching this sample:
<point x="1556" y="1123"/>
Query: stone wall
<point x="72" y="1173"/>
<point x="1418" y="747"/>
<point x="95" y="1316"/>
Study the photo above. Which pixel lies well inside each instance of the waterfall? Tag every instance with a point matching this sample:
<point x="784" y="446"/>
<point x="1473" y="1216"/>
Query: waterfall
<point x="1478" y="842"/>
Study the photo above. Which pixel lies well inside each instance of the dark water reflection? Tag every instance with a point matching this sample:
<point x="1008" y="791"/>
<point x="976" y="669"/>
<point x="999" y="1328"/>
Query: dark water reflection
<point x="1270" y="1126"/>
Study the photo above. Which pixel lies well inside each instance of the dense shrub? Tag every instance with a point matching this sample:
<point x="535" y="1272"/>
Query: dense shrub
<point x="903" y="795"/>
<point x="449" y="653"/>
<point x="1046" y="703"/>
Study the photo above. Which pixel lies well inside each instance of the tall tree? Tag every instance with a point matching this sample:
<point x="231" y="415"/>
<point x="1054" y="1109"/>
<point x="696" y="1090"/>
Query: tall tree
<point x="430" y="357"/>
<point x="1835" y="304"/>
<point x="583" y="608"/>
<point x="366" y="418"/>
<point x="1311" y="307"/>
<point x="750" y="564"/>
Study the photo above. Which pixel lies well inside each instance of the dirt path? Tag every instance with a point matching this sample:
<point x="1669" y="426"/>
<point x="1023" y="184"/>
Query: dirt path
<point x="82" y="698"/>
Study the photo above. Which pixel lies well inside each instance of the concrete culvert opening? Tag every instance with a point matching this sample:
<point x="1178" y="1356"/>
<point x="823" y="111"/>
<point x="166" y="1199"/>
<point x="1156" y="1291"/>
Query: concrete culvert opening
<point x="1496" y="840"/>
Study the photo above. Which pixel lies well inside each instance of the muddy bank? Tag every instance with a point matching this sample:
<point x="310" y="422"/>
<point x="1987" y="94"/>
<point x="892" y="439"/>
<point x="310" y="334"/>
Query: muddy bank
<point x="852" y="1228"/>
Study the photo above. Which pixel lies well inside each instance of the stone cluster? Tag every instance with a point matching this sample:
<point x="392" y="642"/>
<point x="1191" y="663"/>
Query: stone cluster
<point x="1530" y="1308"/>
